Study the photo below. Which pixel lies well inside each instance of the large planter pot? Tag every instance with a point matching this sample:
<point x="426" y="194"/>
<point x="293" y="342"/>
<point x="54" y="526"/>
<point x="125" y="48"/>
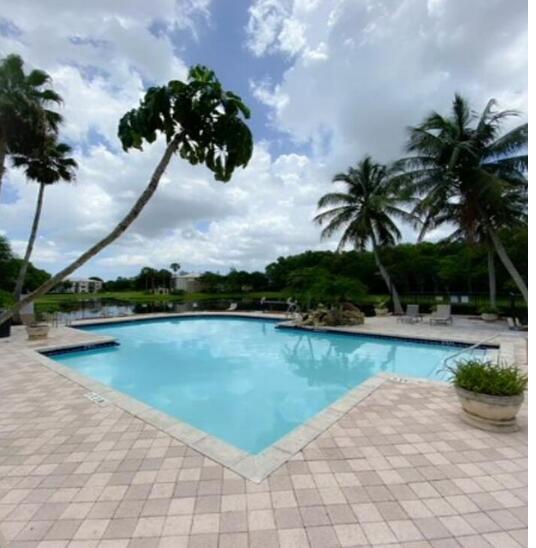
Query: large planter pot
<point x="489" y="317"/>
<point x="37" y="331"/>
<point x="495" y="413"/>
<point x="381" y="311"/>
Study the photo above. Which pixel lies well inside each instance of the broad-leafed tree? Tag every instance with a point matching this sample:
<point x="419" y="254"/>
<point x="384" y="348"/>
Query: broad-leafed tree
<point x="201" y="122"/>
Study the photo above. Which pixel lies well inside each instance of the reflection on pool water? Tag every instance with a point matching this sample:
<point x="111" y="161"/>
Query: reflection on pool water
<point x="244" y="380"/>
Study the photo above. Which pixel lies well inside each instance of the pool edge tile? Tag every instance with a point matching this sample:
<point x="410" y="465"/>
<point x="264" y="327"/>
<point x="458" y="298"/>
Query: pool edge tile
<point x="252" y="467"/>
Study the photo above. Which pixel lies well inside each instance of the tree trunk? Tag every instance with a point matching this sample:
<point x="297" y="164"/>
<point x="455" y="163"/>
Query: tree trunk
<point x="508" y="264"/>
<point x="385" y="275"/>
<point x="492" y="277"/>
<point x="29" y="246"/>
<point x="3" y="154"/>
<point x="107" y="240"/>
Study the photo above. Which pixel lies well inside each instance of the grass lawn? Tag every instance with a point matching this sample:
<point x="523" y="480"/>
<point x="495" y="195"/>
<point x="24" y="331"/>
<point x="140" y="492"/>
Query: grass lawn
<point x="142" y="297"/>
<point x="53" y="301"/>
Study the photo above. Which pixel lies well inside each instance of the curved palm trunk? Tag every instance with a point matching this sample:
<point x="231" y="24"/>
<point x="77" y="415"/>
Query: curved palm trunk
<point x="3" y="154"/>
<point x="385" y="275"/>
<point x="29" y="246"/>
<point x="492" y="277"/>
<point x="508" y="264"/>
<point x="107" y="240"/>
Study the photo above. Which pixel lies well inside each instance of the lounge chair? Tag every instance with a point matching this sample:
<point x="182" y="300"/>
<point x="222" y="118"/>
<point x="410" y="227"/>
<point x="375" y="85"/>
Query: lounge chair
<point x="515" y="325"/>
<point x="232" y="307"/>
<point x="412" y="314"/>
<point x="442" y="315"/>
<point x="520" y="326"/>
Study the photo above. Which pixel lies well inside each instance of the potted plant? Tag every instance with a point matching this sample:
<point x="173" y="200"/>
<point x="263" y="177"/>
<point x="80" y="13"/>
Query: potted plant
<point x="35" y="328"/>
<point x="489" y="313"/>
<point x="381" y="307"/>
<point x="37" y="331"/>
<point x="490" y="393"/>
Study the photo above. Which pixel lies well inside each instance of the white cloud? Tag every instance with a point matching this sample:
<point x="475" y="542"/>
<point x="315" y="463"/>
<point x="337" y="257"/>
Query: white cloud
<point x="264" y="212"/>
<point x="358" y="73"/>
<point x="364" y="71"/>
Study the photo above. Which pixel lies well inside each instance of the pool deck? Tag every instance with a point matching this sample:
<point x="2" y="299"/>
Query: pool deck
<point x="397" y="468"/>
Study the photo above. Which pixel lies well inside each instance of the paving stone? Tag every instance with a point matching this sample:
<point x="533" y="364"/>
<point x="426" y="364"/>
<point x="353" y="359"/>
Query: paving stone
<point x="398" y="468"/>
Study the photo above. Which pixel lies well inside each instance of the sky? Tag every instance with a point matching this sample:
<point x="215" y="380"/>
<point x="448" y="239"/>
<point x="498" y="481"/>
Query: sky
<point x="328" y="81"/>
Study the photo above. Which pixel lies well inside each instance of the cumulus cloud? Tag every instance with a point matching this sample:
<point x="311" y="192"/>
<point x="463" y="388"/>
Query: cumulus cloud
<point x="355" y="74"/>
<point x="364" y="71"/>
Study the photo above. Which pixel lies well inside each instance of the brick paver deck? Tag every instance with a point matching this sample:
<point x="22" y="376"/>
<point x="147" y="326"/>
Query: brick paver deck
<point x="399" y="469"/>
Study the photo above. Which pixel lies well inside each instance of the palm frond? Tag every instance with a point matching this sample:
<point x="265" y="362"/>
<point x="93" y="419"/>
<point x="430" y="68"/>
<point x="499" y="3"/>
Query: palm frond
<point x="513" y="163"/>
<point x="335" y="198"/>
<point x="512" y="142"/>
<point x="327" y="216"/>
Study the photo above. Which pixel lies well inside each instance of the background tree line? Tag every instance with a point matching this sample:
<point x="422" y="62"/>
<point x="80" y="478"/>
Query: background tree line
<point x="426" y="267"/>
<point x="422" y="268"/>
<point x="10" y="266"/>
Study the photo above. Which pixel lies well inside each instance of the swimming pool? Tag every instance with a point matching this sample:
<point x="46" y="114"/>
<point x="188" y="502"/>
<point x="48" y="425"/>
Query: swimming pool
<point x="244" y="380"/>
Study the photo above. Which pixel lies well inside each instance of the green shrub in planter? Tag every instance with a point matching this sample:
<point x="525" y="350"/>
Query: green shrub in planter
<point x="490" y="394"/>
<point x="486" y="377"/>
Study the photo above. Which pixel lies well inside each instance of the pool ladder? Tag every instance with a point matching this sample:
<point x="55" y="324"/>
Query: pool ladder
<point x="463" y="351"/>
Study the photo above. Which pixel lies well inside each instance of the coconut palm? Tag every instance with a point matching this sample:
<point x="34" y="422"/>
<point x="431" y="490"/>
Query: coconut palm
<point x="200" y="121"/>
<point x="175" y="267"/>
<point x="463" y="171"/>
<point x="25" y="119"/>
<point x="365" y="212"/>
<point x="51" y="165"/>
<point x="509" y="212"/>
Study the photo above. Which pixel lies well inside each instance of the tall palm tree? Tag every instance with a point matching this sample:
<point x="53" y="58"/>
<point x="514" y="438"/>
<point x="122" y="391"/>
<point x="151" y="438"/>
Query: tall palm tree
<point x="25" y="119"/>
<point x="51" y="165"/>
<point x="365" y="213"/>
<point x="200" y="121"/>
<point x="508" y="211"/>
<point x="462" y="170"/>
<point x="175" y="267"/>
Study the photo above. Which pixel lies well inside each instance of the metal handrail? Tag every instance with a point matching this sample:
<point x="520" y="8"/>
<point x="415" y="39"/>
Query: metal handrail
<point x="463" y="350"/>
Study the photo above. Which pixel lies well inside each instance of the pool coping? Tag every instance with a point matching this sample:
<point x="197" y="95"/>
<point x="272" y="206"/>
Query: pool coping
<point x="252" y="467"/>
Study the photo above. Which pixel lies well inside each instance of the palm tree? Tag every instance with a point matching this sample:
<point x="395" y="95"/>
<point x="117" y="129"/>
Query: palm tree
<point x="463" y="171"/>
<point x="50" y="166"/>
<point x="201" y="122"/>
<point x="509" y="211"/>
<point x="25" y="120"/>
<point x="365" y="212"/>
<point x="175" y="267"/>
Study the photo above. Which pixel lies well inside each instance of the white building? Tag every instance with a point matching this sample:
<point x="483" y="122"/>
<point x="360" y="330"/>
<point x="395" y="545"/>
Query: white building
<point x="187" y="282"/>
<point x="84" y="285"/>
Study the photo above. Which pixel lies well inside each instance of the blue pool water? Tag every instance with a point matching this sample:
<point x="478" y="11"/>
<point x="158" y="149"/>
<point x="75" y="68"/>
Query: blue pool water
<point x="244" y="380"/>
